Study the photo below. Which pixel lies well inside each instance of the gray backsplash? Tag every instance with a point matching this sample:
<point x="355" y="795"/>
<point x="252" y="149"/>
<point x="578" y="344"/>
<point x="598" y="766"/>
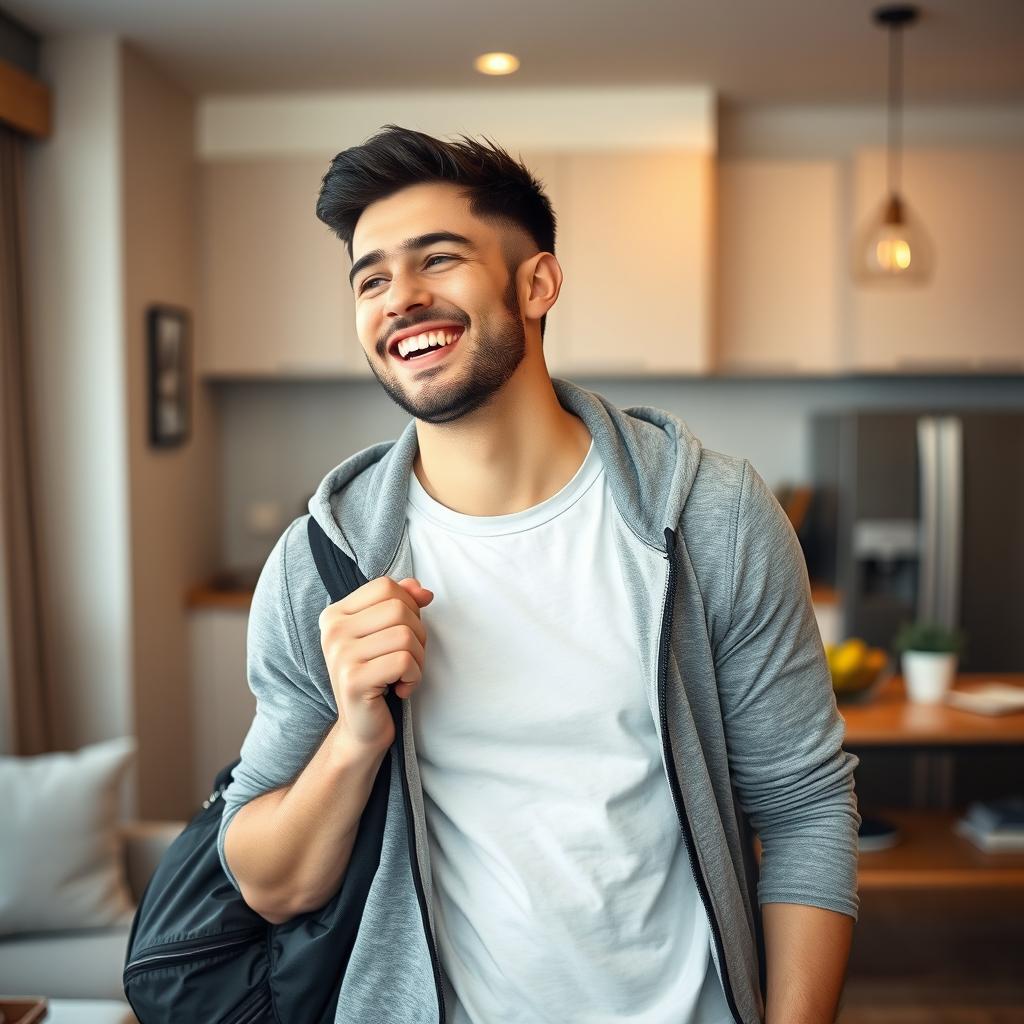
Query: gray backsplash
<point x="281" y="438"/>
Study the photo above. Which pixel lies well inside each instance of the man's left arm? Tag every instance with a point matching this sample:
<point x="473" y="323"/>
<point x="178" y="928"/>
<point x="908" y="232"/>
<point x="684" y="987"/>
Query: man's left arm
<point x="807" y="949"/>
<point x="793" y="778"/>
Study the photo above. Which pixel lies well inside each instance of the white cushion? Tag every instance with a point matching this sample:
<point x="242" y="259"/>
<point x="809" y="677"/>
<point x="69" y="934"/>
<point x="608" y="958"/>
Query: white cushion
<point x="89" y="1011"/>
<point x="61" y="855"/>
<point x="81" y="963"/>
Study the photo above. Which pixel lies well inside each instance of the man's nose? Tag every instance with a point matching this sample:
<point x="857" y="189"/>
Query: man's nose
<point x="405" y="293"/>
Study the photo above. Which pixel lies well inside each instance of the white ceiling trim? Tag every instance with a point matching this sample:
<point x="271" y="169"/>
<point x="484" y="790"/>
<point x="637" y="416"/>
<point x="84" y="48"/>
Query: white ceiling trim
<point x="579" y="119"/>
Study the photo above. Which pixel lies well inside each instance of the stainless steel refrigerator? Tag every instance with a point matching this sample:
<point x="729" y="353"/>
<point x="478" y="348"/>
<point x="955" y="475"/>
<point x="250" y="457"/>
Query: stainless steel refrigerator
<point x="920" y="516"/>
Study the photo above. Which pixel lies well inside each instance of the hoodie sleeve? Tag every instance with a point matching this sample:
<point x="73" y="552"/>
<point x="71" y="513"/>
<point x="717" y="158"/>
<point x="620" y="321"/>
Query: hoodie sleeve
<point x="783" y="731"/>
<point x="291" y="718"/>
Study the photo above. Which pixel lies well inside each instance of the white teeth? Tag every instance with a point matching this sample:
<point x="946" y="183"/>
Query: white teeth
<point x="428" y="339"/>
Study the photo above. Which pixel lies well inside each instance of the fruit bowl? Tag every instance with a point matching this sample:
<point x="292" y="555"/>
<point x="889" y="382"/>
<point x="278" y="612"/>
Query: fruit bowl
<point x="857" y="669"/>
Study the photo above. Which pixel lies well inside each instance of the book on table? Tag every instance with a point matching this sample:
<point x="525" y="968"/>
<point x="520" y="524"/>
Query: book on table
<point x="994" y="825"/>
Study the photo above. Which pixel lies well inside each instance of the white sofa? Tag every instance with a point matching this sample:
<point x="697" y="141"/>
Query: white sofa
<point x="85" y="963"/>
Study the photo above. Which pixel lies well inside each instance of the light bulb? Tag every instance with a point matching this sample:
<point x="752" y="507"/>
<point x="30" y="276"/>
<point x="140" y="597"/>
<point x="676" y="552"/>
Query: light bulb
<point x="892" y="254"/>
<point x="496" y="63"/>
<point x="893" y="246"/>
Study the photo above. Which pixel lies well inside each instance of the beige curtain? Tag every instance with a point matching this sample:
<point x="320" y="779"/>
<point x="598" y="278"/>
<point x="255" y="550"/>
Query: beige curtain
<point x="27" y="697"/>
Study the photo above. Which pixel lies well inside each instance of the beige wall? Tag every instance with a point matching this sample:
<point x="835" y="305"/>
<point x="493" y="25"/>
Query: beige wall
<point x="174" y="499"/>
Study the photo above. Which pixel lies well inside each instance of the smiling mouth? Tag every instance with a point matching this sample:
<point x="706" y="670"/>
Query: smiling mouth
<point x="434" y="353"/>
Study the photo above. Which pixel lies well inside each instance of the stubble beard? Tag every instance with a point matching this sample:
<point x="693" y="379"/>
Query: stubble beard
<point x="498" y="351"/>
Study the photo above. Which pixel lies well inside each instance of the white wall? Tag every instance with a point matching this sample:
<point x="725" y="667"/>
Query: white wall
<point x="321" y="124"/>
<point x="76" y="320"/>
<point x="815" y="132"/>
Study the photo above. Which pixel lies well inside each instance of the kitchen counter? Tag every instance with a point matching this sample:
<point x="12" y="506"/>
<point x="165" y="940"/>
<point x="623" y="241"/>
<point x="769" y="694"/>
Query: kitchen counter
<point x="825" y="594"/>
<point x="889" y="719"/>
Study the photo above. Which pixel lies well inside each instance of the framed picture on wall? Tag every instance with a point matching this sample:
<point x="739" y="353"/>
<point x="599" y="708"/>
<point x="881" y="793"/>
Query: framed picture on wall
<point x="167" y="330"/>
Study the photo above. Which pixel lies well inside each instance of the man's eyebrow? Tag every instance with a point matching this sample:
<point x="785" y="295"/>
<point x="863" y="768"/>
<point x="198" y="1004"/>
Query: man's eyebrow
<point x="409" y="245"/>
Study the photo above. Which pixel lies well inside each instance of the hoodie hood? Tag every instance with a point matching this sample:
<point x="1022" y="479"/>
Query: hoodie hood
<point x="650" y="456"/>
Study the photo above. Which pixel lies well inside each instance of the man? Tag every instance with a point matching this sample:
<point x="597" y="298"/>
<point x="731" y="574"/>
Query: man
<point x="624" y="680"/>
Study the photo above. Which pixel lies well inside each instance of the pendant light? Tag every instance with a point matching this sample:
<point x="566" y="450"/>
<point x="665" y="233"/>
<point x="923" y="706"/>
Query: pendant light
<point x="893" y="246"/>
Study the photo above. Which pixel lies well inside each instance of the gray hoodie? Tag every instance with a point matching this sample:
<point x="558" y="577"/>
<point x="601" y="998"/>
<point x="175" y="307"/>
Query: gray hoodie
<point x="737" y="682"/>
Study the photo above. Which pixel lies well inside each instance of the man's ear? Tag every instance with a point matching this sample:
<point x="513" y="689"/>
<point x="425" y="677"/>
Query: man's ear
<point x="541" y="279"/>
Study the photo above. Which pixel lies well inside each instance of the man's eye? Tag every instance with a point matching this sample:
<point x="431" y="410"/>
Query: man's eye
<point x="366" y="284"/>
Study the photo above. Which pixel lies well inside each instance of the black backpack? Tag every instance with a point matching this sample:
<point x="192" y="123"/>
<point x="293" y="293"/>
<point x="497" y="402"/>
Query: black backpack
<point x="198" y="952"/>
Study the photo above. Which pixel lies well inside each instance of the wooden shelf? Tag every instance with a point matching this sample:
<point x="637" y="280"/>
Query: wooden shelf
<point x="931" y="855"/>
<point x="209" y="596"/>
<point x="230" y="589"/>
<point x="889" y="719"/>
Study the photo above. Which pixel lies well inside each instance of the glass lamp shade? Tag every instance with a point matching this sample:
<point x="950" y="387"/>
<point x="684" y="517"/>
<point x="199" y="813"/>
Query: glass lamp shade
<point x="893" y="246"/>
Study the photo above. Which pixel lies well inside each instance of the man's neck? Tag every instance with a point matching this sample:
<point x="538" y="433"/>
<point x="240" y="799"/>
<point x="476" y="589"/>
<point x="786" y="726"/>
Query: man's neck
<point x="517" y="452"/>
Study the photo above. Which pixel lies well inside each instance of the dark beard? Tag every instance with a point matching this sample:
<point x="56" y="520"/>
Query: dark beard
<point x="498" y="352"/>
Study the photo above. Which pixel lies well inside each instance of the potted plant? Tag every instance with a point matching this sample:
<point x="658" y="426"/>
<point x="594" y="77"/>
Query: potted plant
<point x="929" y="654"/>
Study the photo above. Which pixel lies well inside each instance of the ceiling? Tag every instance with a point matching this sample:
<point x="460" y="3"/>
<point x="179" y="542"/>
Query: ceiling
<point x="749" y="51"/>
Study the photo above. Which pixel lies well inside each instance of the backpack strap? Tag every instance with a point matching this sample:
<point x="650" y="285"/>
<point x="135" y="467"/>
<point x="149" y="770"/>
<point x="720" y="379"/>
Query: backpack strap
<point x="339" y="573"/>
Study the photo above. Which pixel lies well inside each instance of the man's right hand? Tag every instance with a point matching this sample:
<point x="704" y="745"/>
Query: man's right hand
<point x="372" y="638"/>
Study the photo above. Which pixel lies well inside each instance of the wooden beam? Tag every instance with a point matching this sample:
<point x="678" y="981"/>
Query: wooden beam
<point x="24" y="101"/>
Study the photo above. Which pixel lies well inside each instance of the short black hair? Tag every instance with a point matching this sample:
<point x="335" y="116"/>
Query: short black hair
<point x="500" y="189"/>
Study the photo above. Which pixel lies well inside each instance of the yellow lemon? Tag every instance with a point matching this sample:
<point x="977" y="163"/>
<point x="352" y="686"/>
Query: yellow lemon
<point x="849" y="656"/>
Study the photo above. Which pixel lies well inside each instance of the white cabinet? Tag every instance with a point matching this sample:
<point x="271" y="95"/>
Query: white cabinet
<point x="787" y="302"/>
<point x="275" y="297"/>
<point x="549" y="169"/>
<point x="634" y="244"/>
<point x="970" y="316"/>
<point x="223" y="705"/>
<point x="647" y="289"/>
<point x="779" y="266"/>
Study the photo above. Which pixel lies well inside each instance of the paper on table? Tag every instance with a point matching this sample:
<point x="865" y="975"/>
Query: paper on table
<point x="988" y="699"/>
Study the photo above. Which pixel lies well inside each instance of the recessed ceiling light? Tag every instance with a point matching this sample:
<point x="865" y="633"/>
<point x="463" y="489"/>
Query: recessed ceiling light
<point x="496" y="63"/>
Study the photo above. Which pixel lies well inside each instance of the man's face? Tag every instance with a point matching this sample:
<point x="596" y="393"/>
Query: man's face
<point x="465" y="285"/>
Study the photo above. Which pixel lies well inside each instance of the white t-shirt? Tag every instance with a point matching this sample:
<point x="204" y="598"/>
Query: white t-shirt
<point x="562" y="889"/>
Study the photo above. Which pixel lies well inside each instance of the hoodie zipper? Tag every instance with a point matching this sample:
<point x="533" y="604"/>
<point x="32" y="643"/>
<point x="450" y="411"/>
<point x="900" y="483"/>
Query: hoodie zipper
<point x="144" y="963"/>
<point x="677" y="796"/>
<point x="416" y="877"/>
<point x="410" y="827"/>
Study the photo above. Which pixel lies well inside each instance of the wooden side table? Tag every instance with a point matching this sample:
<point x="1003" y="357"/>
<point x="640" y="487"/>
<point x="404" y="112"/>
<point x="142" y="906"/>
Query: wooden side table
<point x="940" y="924"/>
<point x="930" y="854"/>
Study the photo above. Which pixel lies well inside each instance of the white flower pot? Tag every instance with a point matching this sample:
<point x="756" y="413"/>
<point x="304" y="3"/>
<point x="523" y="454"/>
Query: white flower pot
<point x="928" y="675"/>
